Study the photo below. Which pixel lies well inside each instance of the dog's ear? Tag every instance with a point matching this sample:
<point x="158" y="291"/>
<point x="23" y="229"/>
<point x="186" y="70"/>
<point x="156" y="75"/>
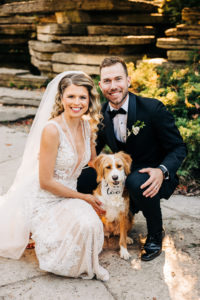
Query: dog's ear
<point x="99" y="166"/>
<point x="127" y="160"/>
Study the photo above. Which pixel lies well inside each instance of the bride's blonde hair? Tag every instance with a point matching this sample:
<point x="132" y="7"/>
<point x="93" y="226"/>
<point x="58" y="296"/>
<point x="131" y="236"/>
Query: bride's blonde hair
<point x="94" y="109"/>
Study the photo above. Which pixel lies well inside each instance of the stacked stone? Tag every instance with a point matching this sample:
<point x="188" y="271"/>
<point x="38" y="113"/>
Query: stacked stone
<point x="78" y="34"/>
<point x="15" y="31"/>
<point x="54" y="53"/>
<point x="83" y="36"/>
<point x="183" y="41"/>
<point x="16" y="103"/>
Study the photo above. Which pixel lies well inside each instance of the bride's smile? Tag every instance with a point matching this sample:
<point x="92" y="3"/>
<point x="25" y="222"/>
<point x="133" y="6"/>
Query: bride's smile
<point x="75" y="100"/>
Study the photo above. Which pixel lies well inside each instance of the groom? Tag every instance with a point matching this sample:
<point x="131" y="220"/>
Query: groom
<point x="143" y="128"/>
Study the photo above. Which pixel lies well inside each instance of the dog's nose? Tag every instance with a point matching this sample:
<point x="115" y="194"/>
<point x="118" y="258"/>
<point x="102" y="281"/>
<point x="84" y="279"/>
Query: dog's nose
<point x="114" y="177"/>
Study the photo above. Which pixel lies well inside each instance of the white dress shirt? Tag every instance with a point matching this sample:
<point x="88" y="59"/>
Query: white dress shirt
<point x="120" y="122"/>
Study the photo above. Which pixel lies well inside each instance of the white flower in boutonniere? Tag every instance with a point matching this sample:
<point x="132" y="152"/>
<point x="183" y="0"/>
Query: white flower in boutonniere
<point x="136" y="127"/>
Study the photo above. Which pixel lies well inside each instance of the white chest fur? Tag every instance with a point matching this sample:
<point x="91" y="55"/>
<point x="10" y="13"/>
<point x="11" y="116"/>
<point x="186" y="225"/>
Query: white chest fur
<point x="112" y="200"/>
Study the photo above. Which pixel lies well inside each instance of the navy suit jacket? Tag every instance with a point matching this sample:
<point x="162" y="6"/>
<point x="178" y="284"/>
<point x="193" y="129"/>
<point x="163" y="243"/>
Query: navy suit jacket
<point x="158" y="142"/>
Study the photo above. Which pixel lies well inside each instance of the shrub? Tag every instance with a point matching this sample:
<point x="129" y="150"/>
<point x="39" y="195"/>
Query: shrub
<point x="179" y="90"/>
<point x="173" y="8"/>
<point x="190" y="131"/>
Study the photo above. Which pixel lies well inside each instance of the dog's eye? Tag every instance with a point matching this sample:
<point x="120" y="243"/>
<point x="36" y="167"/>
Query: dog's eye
<point x="108" y="167"/>
<point x="119" y="166"/>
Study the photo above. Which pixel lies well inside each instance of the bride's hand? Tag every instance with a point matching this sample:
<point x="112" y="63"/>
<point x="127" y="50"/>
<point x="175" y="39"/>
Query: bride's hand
<point x="91" y="164"/>
<point x="96" y="204"/>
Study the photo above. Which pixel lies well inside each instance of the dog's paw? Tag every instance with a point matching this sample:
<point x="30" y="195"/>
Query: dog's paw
<point x="129" y="240"/>
<point x="124" y="253"/>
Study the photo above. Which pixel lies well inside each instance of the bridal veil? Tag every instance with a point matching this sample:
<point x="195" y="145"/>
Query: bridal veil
<point x="15" y="205"/>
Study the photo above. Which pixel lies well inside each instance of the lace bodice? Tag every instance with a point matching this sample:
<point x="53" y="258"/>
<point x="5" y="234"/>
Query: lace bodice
<point x="66" y="170"/>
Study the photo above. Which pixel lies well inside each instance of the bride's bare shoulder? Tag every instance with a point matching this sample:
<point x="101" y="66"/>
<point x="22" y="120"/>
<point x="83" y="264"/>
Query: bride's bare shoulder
<point x="51" y="129"/>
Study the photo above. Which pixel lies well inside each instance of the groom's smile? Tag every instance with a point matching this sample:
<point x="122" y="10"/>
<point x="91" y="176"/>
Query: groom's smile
<point x="114" y="84"/>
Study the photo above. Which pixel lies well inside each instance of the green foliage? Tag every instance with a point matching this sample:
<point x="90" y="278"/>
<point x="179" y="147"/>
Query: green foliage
<point x="96" y="81"/>
<point x="190" y="131"/>
<point x="173" y="8"/>
<point x="179" y="90"/>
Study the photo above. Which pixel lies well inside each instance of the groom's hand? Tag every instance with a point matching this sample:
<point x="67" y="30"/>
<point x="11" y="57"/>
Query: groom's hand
<point x="153" y="183"/>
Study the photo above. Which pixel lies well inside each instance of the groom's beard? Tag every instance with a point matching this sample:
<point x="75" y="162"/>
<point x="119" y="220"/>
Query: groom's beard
<point x="119" y="102"/>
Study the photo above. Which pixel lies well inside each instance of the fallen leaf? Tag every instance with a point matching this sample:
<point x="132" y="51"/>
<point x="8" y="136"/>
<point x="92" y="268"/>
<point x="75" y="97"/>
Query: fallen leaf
<point x="173" y="274"/>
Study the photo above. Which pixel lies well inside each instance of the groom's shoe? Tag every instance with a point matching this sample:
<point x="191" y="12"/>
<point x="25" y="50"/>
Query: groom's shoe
<point x="153" y="246"/>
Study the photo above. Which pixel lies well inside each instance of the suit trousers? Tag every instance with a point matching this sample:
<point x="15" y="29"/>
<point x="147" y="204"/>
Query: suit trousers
<point x="150" y="207"/>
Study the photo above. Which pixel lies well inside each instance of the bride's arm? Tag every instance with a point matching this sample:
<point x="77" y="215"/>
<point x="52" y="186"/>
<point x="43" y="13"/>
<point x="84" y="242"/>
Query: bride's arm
<point x="47" y="158"/>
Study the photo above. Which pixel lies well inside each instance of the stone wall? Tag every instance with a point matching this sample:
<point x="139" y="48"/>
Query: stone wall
<point x="78" y="34"/>
<point x="81" y="38"/>
<point x="183" y="41"/>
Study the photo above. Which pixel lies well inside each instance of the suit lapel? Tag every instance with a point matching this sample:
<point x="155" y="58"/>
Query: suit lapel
<point x="131" y="111"/>
<point x="131" y="115"/>
<point x="109" y="131"/>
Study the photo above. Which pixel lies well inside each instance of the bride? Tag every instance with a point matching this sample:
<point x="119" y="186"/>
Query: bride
<point x="43" y="199"/>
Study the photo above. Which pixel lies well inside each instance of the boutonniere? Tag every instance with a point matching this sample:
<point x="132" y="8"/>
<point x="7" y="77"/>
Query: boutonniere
<point x="136" y="127"/>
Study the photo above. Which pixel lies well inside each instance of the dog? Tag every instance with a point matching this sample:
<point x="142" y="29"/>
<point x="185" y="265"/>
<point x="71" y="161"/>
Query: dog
<point x="112" y="170"/>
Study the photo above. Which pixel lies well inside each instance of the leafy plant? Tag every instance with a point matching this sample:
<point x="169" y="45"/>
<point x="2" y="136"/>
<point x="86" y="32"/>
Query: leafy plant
<point x="190" y="131"/>
<point x="179" y="90"/>
<point x="173" y="8"/>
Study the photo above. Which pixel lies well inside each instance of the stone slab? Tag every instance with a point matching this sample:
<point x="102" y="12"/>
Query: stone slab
<point x="179" y="55"/>
<point x="190" y="205"/>
<point x="20" y="78"/>
<point x="54" y="29"/>
<point x="18" y="19"/>
<point x="47" y="37"/>
<point x="53" y="287"/>
<point x="191" y="14"/>
<point x="19" y="270"/>
<point x="170" y="65"/>
<point x="186" y="32"/>
<point x="87" y="59"/>
<point x="7" y="72"/>
<point x="20" y="97"/>
<point x="15" y="29"/>
<point x="155" y="61"/>
<point x="46" y="47"/>
<point x="120" y="30"/>
<point x="54" y="5"/>
<point x="13" y="113"/>
<point x="40" y="55"/>
<point x="35" y="81"/>
<point x="178" y="43"/>
<point x="188" y="27"/>
<point x="41" y="64"/>
<point x="91" y="70"/>
<point x="108" y="40"/>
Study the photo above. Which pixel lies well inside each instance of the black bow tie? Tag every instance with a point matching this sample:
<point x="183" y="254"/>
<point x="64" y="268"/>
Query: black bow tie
<point x="115" y="112"/>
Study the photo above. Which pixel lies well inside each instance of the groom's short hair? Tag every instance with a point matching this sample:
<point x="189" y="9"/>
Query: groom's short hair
<point x="112" y="60"/>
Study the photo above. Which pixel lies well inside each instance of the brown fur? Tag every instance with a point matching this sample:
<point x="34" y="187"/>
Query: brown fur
<point x="124" y="221"/>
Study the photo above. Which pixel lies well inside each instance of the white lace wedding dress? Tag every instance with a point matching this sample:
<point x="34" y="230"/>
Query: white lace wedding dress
<point x="68" y="233"/>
